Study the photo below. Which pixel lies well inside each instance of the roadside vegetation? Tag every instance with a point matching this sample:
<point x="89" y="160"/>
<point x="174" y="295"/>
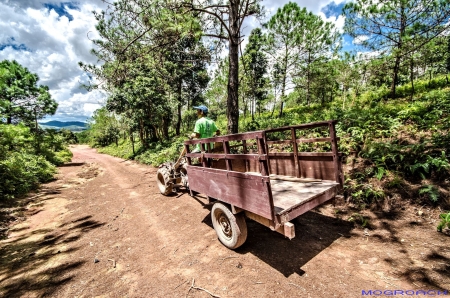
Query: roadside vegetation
<point x="28" y="154"/>
<point x="391" y="95"/>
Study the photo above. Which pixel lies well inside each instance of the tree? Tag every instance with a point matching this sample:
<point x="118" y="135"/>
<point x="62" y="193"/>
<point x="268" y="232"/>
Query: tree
<point x="317" y="41"/>
<point x="255" y="67"/>
<point x="151" y="57"/>
<point x="396" y="27"/>
<point x="22" y="99"/>
<point x="216" y="95"/>
<point x="282" y="38"/>
<point x="104" y="127"/>
<point x="223" y="20"/>
<point x="186" y="66"/>
<point x="296" y="39"/>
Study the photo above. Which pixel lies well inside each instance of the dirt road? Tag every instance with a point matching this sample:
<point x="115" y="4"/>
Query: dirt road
<point x="103" y="229"/>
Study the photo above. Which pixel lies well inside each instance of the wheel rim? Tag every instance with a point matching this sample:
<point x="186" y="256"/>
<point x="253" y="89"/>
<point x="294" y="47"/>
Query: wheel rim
<point x="161" y="184"/>
<point x="225" y="225"/>
<point x="161" y="178"/>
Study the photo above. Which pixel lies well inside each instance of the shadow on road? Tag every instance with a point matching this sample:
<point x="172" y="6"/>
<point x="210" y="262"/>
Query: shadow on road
<point x="34" y="262"/>
<point x="314" y="232"/>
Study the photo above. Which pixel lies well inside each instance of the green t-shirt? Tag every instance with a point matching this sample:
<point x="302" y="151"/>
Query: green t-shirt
<point x="206" y="128"/>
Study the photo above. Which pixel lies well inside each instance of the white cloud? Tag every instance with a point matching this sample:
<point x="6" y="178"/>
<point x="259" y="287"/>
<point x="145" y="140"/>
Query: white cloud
<point x="54" y="46"/>
<point x="360" y="39"/>
<point x="50" y="37"/>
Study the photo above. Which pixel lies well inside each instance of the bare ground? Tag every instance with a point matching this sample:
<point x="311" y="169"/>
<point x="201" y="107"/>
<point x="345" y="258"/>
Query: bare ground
<point x="102" y="229"/>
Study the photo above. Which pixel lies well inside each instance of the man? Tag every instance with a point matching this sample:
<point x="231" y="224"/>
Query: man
<point x="204" y="127"/>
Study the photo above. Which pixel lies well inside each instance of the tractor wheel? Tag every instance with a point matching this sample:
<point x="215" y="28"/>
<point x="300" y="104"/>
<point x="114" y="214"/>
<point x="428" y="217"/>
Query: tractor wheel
<point x="163" y="180"/>
<point x="231" y="228"/>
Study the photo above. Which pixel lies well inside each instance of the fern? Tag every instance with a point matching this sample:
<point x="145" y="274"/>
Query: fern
<point x="445" y="221"/>
<point x="431" y="191"/>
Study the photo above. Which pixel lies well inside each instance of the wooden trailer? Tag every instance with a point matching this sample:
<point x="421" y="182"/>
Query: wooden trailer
<point x="245" y="175"/>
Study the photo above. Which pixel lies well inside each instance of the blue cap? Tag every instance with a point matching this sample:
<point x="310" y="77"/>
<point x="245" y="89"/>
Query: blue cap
<point x="203" y="108"/>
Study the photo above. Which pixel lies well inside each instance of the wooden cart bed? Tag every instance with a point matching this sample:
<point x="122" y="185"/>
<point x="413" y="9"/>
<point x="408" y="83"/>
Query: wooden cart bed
<point x="272" y="188"/>
<point x="288" y="195"/>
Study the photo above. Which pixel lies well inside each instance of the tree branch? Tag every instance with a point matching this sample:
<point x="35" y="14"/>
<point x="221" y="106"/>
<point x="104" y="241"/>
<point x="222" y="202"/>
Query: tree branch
<point x="213" y="14"/>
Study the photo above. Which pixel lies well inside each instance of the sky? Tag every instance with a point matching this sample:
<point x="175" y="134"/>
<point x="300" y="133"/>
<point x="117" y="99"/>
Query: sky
<point x="50" y="37"/>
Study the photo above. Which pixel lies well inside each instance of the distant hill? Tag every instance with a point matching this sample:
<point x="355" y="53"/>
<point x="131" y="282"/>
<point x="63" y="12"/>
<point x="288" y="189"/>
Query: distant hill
<point x="70" y="125"/>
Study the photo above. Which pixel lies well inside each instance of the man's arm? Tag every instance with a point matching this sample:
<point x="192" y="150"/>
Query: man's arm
<point x="196" y="133"/>
<point x="214" y="128"/>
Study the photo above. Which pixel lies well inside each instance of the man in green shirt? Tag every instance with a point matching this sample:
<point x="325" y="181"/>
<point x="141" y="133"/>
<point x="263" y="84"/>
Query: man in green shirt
<point x="204" y="127"/>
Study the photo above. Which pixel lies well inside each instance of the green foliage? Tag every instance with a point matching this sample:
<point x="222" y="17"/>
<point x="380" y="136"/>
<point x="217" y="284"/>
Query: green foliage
<point x="431" y="191"/>
<point x="21" y="172"/>
<point x="83" y="137"/>
<point x="122" y="150"/>
<point x="360" y="219"/>
<point x="375" y="26"/>
<point x="393" y="110"/>
<point x="23" y="164"/>
<point x="299" y="43"/>
<point x="160" y="153"/>
<point x="445" y="221"/>
<point x="21" y="99"/>
<point x="103" y="128"/>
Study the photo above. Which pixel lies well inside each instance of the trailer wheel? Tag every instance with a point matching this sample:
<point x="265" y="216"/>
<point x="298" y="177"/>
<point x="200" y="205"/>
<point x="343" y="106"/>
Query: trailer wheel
<point x="163" y="180"/>
<point x="231" y="228"/>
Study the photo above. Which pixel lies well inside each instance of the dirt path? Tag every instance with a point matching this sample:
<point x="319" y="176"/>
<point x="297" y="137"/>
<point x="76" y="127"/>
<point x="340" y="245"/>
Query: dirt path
<point x="102" y="229"/>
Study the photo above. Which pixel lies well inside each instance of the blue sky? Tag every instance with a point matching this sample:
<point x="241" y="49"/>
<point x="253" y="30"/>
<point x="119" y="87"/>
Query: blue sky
<point x="50" y="37"/>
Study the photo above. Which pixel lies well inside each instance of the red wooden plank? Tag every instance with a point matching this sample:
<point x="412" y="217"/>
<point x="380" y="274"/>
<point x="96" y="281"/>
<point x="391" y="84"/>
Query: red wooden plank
<point x="282" y="165"/>
<point x="300" y="154"/>
<point x="226" y="148"/>
<point x="246" y="191"/>
<point x="312" y="140"/>
<point x="279" y="142"/>
<point x="337" y="169"/>
<point x="302" y="126"/>
<point x="317" y="168"/>
<point x="244" y="148"/>
<point x="189" y="161"/>
<point x="297" y="166"/>
<point x="233" y="137"/>
<point x="290" y="214"/>
<point x="229" y="156"/>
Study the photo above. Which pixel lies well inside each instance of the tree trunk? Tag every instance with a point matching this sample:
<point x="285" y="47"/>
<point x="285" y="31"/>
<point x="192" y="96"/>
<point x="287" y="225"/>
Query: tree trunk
<point x="283" y="83"/>
<point x="178" y="125"/>
<point x="233" y="74"/>
<point x="253" y="108"/>
<point x="246" y="104"/>
<point x="141" y="134"/>
<point x="165" y="126"/>
<point x="448" y="56"/>
<point x="412" y="77"/>
<point x="399" y="50"/>
<point x="36" y="127"/>
<point x="274" y="103"/>
<point x="132" y="141"/>
<point x="395" y="77"/>
<point x="308" y="78"/>
<point x="8" y="112"/>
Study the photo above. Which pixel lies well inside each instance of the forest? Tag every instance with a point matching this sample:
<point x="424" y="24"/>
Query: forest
<point x="390" y="94"/>
<point x="28" y="154"/>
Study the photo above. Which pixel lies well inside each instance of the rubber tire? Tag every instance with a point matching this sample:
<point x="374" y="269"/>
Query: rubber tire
<point x="231" y="228"/>
<point x="163" y="181"/>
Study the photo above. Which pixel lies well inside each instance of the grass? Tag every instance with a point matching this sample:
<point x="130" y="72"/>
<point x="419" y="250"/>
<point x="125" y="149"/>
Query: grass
<point x="389" y="144"/>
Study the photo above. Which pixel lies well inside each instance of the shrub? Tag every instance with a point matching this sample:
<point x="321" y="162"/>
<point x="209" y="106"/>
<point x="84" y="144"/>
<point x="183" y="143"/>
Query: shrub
<point x="22" y="172"/>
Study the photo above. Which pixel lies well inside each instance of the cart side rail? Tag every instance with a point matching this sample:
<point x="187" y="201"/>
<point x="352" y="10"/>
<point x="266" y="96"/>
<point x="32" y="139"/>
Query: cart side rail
<point x="249" y="192"/>
<point x="317" y="165"/>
